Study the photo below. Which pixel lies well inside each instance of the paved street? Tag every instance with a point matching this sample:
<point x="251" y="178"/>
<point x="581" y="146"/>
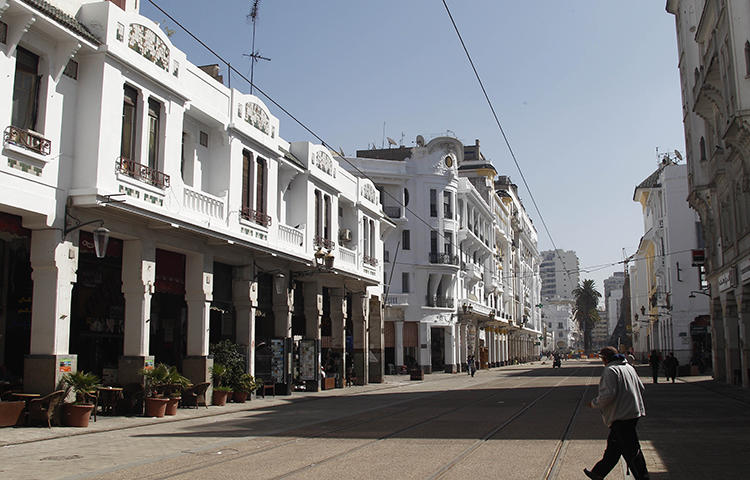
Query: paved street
<point x="514" y="422"/>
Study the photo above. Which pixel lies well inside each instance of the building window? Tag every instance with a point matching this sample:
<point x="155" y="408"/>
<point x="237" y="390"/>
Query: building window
<point x="3" y="32"/>
<point x="318" y="212"/>
<point x="405" y="282"/>
<point x="365" y="237"/>
<point x="247" y="179"/>
<point x="260" y="185"/>
<point x="702" y="148"/>
<point x="406" y="240"/>
<point x="559" y="325"/>
<point x="747" y="58"/>
<point x="203" y="139"/>
<point x="154" y="121"/>
<point x="433" y="242"/>
<point x="447" y="205"/>
<point x="327" y="220"/>
<point x="71" y="69"/>
<point x="406" y="198"/>
<point x="129" y="116"/>
<point x="433" y="202"/>
<point x="26" y="90"/>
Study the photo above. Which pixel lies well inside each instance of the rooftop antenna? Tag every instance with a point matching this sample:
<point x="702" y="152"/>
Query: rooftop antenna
<point x="382" y="142"/>
<point x="255" y="55"/>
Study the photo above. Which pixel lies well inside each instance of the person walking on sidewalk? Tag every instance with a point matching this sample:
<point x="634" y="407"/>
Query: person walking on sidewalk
<point x="670" y="366"/>
<point x="654" y="360"/>
<point x="620" y="401"/>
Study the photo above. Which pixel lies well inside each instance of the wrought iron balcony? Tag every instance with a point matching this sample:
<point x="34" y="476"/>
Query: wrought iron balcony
<point x="255" y="216"/>
<point x="443" y="258"/>
<point x="27" y="139"/>
<point x="321" y="242"/>
<point x="143" y="173"/>
<point x="372" y="261"/>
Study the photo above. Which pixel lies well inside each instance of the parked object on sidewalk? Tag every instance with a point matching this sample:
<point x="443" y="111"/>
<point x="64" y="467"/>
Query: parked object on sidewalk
<point x="11" y="413"/>
<point x="84" y="386"/>
<point x="162" y="383"/>
<point x="621" y="404"/>
<point x="133" y="395"/>
<point x="42" y="410"/>
<point x="195" y="395"/>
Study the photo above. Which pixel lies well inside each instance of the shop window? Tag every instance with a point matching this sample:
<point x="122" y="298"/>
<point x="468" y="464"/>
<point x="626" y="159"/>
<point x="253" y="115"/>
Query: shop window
<point x="26" y="90"/>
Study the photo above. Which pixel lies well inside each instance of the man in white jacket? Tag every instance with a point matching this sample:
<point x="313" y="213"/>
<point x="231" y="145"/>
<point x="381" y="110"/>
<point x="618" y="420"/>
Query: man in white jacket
<point x="621" y="405"/>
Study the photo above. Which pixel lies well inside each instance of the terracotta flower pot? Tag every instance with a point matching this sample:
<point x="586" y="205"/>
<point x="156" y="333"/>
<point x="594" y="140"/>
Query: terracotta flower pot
<point x="219" y="398"/>
<point x="239" y="397"/>
<point x="155" y="407"/>
<point x="172" y="403"/>
<point x="76" y="415"/>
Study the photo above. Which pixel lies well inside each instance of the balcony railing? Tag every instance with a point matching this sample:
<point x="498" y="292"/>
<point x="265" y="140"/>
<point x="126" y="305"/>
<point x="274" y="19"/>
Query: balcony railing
<point x="255" y="216"/>
<point x="347" y="256"/>
<point x="395" y="299"/>
<point x="28" y="140"/>
<point x="371" y="261"/>
<point x="392" y="212"/>
<point x="321" y="242"/>
<point x="143" y="173"/>
<point x="440" y="302"/>
<point x="291" y="236"/>
<point x="203" y="203"/>
<point x="444" y="258"/>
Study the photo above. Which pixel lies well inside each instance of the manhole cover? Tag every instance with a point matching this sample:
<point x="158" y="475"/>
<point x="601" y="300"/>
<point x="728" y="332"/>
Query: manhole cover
<point x="58" y="458"/>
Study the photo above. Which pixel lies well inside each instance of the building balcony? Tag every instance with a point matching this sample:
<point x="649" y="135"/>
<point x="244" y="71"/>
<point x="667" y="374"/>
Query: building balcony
<point x="27" y="140"/>
<point x="347" y="257"/>
<point x="321" y="242"/>
<point x="204" y="204"/>
<point x="371" y="261"/>
<point x="256" y="216"/>
<point x="142" y="173"/>
<point x="392" y="212"/>
<point x="397" y="300"/>
<point x="440" y="302"/>
<point x="291" y="237"/>
<point x="443" y="258"/>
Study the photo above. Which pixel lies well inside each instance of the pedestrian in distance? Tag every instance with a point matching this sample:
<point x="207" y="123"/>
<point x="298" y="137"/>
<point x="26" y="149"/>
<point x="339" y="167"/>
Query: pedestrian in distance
<point x="670" y="366"/>
<point x="654" y="360"/>
<point x="620" y="402"/>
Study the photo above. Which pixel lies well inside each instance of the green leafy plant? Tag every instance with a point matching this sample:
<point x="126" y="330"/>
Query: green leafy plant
<point x="245" y="383"/>
<point x="161" y="377"/>
<point x="231" y="356"/>
<point x="83" y="384"/>
<point x="219" y="375"/>
<point x="222" y="389"/>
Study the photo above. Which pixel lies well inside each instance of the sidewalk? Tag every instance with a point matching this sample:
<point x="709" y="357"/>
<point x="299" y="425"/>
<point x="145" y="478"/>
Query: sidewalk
<point x="22" y="435"/>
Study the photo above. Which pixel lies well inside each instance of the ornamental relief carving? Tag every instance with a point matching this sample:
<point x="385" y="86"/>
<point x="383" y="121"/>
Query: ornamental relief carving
<point x="324" y="162"/>
<point x="370" y="193"/>
<point x="257" y="117"/>
<point x="147" y="43"/>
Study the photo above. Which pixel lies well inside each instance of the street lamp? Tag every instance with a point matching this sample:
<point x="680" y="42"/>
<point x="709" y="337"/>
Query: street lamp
<point x="100" y="234"/>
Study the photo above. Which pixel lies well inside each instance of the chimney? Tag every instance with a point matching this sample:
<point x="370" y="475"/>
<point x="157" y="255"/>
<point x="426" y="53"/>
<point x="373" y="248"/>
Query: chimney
<point x="213" y="71"/>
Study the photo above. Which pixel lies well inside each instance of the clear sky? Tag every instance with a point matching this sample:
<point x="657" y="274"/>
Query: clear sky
<point x="586" y="90"/>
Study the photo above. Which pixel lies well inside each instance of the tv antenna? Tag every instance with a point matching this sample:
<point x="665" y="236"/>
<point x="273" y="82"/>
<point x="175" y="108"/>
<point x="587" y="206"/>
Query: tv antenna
<point x="255" y="55"/>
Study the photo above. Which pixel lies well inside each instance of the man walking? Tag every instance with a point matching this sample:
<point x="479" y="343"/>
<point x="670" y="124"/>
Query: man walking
<point x="621" y="405"/>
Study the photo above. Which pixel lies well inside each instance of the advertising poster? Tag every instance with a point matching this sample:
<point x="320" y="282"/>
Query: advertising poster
<point x="307" y="360"/>
<point x="277" y="360"/>
<point x="66" y="365"/>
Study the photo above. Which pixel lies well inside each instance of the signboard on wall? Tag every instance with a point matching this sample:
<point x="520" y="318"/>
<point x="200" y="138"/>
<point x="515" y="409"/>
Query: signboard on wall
<point x="277" y="360"/>
<point x="307" y="360"/>
<point x="65" y="365"/>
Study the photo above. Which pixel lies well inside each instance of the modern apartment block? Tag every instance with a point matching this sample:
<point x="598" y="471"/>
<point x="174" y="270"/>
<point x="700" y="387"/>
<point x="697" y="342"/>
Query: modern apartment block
<point x="461" y="268"/>
<point x="714" y="64"/>
<point x="559" y="272"/>
<point x="612" y="298"/>
<point x="147" y="210"/>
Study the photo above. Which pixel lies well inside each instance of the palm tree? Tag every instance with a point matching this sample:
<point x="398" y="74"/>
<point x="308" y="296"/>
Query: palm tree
<point x="585" y="313"/>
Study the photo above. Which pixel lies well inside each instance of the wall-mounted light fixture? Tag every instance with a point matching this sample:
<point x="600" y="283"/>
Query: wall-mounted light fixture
<point x="101" y="234"/>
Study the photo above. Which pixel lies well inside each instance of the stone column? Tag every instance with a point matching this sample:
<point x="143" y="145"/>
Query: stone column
<point x="717" y="342"/>
<point x="54" y="264"/>
<point x="283" y="307"/>
<point x="338" y="334"/>
<point x="464" y="344"/>
<point x="313" y="295"/>
<point x="245" y="301"/>
<point x="398" y="344"/>
<point x="199" y="285"/>
<point x="360" y="307"/>
<point x="425" y="351"/>
<point x="138" y="277"/>
<point x="376" y="350"/>
<point x="450" y="349"/>
<point x="743" y="316"/>
<point x="731" y="352"/>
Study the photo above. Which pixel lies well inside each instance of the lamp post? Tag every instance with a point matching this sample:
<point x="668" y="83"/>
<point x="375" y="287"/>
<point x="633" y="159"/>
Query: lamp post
<point x="100" y="234"/>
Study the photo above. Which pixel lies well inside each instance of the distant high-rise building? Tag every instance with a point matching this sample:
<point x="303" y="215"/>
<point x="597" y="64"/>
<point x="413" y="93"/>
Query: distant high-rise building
<point x="612" y="298"/>
<point x="559" y="273"/>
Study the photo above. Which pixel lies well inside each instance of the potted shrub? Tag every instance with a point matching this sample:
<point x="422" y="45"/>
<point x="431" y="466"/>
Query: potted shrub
<point x="244" y="386"/>
<point x="84" y="385"/>
<point x="175" y="383"/>
<point x="155" y="378"/>
<point x="221" y="391"/>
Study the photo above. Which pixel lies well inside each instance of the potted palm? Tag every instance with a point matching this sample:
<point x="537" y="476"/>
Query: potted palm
<point x="221" y="391"/>
<point x="244" y="386"/>
<point x="84" y="385"/>
<point x="175" y="383"/>
<point x="155" y="378"/>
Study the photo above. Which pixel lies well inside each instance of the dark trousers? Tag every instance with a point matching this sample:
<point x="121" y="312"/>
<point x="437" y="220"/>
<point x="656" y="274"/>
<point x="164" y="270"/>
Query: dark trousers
<point x="623" y="440"/>
<point x="655" y="374"/>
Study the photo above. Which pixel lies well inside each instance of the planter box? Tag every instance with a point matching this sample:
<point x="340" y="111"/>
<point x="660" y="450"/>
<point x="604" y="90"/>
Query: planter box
<point x="11" y="413"/>
<point x="219" y="398"/>
<point x="239" y="397"/>
<point x="329" y="383"/>
<point x="156" y="407"/>
<point x="172" y="404"/>
<point x="76" y="415"/>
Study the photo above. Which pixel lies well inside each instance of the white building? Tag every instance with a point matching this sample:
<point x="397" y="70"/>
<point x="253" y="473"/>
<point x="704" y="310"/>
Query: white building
<point x="461" y="267"/>
<point x="612" y="299"/>
<point x="559" y="272"/>
<point x="558" y="316"/>
<point x="663" y="276"/>
<point x="218" y="228"/>
<point x="714" y="64"/>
